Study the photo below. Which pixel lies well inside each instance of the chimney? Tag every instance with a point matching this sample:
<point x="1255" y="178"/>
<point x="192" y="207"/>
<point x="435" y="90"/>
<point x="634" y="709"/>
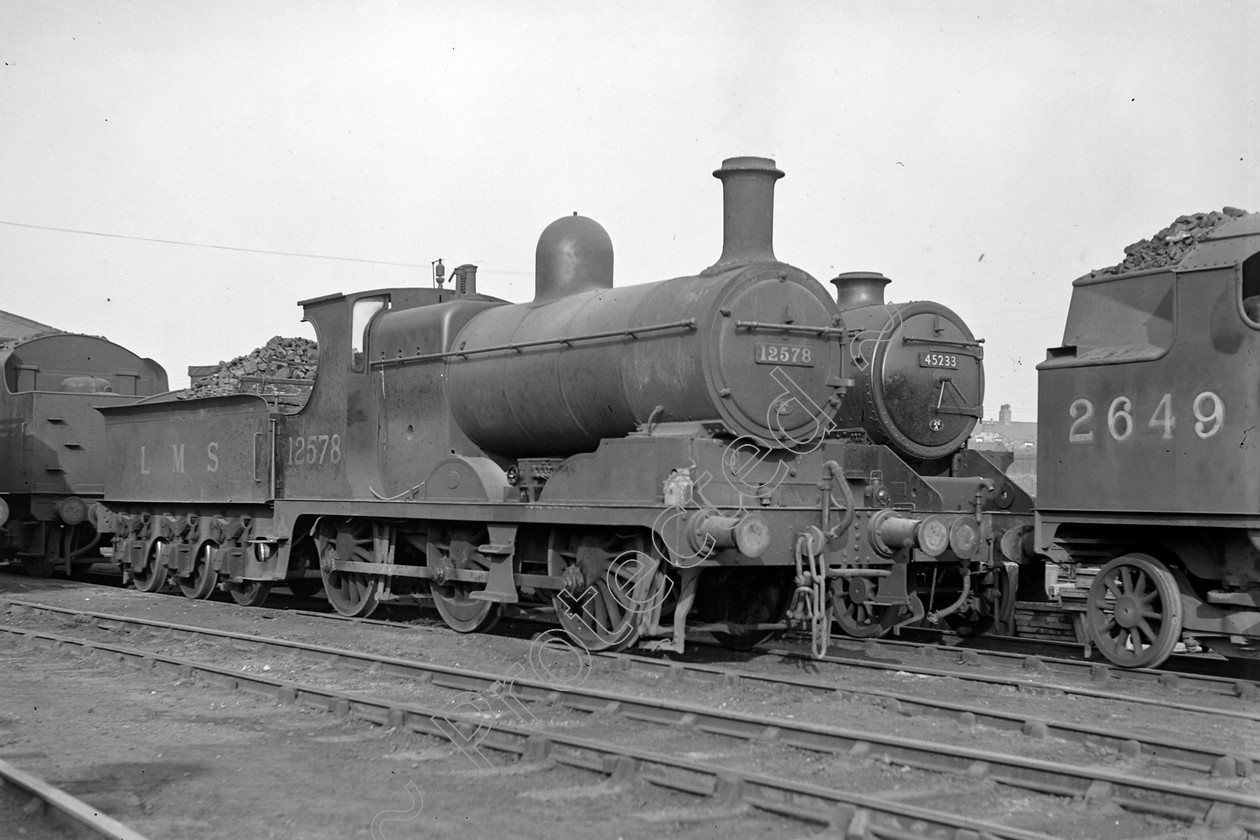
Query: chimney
<point x="860" y="288"/>
<point x="747" y="212"/>
<point x="1004" y="414"/>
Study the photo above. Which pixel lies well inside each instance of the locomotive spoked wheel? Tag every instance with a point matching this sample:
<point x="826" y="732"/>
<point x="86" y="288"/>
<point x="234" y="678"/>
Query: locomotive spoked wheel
<point x="616" y="587"/>
<point x="455" y="549"/>
<point x="200" y="584"/>
<point x="152" y="576"/>
<point x="1134" y="611"/>
<point x="854" y="612"/>
<point x="352" y="594"/>
<point x="250" y="593"/>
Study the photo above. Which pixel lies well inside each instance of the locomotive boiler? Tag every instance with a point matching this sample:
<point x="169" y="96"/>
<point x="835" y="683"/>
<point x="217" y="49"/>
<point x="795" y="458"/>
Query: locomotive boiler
<point x="733" y="451"/>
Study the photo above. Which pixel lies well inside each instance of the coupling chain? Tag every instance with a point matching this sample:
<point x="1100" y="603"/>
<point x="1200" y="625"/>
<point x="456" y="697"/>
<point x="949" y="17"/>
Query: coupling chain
<point x="809" y="601"/>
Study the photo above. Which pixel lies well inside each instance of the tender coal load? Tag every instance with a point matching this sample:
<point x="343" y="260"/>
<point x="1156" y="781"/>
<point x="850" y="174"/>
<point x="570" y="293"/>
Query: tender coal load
<point x="1172" y="243"/>
<point x="283" y="367"/>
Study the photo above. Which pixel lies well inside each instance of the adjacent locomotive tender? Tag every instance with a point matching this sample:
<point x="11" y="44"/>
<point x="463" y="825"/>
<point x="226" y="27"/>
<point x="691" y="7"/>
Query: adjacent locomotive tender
<point x="1148" y="454"/>
<point x="52" y="465"/>
<point x="735" y="451"/>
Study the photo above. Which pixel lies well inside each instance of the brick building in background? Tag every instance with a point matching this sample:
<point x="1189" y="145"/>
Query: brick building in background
<point x="1007" y="435"/>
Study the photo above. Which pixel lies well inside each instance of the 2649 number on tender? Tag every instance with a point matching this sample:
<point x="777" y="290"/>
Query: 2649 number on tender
<point x="1207" y="408"/>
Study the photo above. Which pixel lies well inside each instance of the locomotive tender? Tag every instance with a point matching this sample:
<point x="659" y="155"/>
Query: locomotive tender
<point x="52" y="469"/>
<point x="1148" y="454"/>
<point x="735" y="451"/>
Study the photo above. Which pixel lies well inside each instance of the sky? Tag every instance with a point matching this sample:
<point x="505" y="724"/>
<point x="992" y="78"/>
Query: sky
<point x="175" y="176"/>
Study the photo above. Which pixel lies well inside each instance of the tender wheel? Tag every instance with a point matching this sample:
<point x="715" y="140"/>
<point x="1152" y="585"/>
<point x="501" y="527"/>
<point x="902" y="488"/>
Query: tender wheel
<point x="152" y="576"/>
<point x="456" y="550"/>
<point x="351" y="593"/>
<point x="615" y="581"/>
<point x="250" y="593"/>
<point x="200" y="584"/>
<point x="1134" y="611"/>
<point x="854" y="612"/>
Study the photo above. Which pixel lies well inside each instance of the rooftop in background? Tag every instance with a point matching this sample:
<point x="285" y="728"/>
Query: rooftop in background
<point x="14" y="327"/>
<point x="1004" y="433"/>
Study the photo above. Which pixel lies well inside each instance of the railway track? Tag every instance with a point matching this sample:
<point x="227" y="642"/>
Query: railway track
<point x="1185" y="754"/>
<point x="81" y="819"/>
<point x="1041" y="659"/>
<point x="1021" y="672"/>
<point x="857" y="652"/>
<point x="859" y="816"/>
<point x="1095" y="785"/>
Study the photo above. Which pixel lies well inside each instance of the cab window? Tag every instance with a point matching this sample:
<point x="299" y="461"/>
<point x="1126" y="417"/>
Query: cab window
<point x="360" y="320"/>
<point x="1251" y="289"/>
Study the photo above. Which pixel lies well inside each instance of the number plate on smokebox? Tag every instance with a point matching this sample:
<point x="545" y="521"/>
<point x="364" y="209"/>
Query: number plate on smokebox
<point x="931" y="359"/>
<point x="784" y="354"/>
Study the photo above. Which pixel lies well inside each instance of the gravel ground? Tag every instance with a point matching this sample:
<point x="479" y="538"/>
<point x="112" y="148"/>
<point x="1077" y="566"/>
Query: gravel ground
<point x="245" y="767"/>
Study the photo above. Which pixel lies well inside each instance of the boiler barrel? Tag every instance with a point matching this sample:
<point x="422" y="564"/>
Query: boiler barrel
<point x="555" y="377"/>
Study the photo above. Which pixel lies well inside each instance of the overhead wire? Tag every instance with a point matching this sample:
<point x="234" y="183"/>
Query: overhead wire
<point x="268" y="251"/>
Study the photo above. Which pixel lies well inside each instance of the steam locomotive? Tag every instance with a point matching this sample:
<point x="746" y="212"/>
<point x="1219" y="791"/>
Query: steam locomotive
<point x="735" y="451"/>
<point x="52" y="472"/>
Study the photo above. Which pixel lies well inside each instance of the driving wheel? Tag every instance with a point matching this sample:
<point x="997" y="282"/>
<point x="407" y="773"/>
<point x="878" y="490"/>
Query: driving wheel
<point x="615" y="587"/>
<point x="352" y="594"/>
<point x="452" y="550"/>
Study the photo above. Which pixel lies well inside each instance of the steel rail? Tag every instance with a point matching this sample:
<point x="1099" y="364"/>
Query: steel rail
<point x="1030" y="664"/>
<point x="1186" y="755"/>
<point x="1145" y="676"/>
<point x="1172" y="800"/>
<point x="1100" y="673"/>
<point x="1191" y="756"/>
<point x="74" y="813"/>
<point x="859" y="816"/>
<point x="1096" y="671"/>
